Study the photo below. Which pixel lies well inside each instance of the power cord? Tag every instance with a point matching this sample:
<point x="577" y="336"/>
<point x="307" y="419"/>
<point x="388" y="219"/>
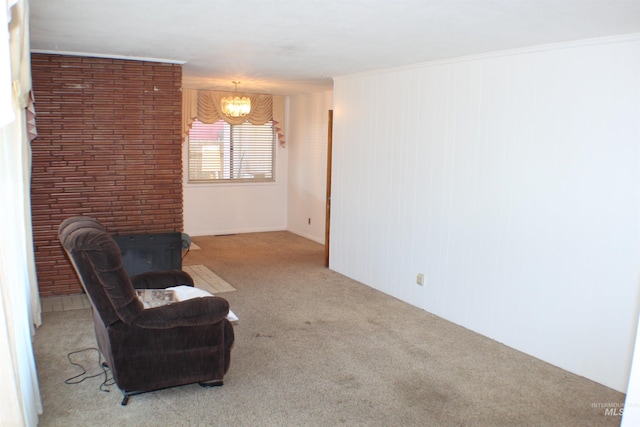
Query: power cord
<point x="186" y="243"/>
<point x="77" y="379"/>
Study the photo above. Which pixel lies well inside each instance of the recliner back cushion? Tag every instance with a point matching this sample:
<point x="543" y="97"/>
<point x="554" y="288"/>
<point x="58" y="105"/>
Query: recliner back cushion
<point x="97" y="258"/>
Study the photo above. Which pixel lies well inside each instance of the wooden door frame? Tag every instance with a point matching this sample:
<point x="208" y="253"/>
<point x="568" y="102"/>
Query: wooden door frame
<point x="327" y="226"/>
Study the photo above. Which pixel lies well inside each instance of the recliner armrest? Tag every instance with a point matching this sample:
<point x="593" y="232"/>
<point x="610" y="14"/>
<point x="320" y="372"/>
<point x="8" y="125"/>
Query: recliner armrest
<point x="161" y="279"/>
<point x="193" y="312"/>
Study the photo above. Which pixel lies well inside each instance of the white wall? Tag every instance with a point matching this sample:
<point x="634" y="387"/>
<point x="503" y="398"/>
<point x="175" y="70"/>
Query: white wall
<point x="307" y="144"/>
<point x="512" y="182"/>
<point x="211" y="209"/>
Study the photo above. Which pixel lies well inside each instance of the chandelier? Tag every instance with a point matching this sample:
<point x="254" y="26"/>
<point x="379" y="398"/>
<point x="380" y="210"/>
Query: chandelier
<point x="236" y="106"/>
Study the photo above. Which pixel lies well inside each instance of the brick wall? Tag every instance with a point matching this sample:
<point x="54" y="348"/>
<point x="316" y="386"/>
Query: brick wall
<point x="108" y="146"/>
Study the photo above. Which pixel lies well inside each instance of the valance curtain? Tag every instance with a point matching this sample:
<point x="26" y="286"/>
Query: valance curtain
<point x="204" y="105"/>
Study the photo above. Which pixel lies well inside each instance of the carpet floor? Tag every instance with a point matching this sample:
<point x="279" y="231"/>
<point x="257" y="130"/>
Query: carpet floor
<point x="314" y="348"/>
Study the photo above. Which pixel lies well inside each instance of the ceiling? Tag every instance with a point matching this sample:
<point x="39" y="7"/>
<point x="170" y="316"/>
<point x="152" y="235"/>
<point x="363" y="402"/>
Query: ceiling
<point x="297" y="46"/>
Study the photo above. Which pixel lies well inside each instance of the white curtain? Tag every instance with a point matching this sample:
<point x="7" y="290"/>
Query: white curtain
<point x="20" y="401"/>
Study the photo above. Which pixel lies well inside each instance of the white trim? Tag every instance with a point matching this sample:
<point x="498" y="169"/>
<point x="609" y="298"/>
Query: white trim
<point x="104" y="55"/>
<point x="236" y="231"/>
<point x="307" y="236"/>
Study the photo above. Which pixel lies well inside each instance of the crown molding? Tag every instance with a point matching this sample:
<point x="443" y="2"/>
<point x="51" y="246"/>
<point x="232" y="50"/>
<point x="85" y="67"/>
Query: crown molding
<point x="625" y="38"/>
<point x="100" y="55"/>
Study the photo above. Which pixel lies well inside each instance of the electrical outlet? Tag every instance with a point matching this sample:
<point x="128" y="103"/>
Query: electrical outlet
<point x="420" y="279"/>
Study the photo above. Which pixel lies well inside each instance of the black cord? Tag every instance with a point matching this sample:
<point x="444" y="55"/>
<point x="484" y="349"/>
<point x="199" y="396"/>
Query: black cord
<point x="185" y="254"/>
<point x="77" y="379"/>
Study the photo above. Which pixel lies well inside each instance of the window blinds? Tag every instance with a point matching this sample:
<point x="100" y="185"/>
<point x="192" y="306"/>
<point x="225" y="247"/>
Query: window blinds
<point x="220" y="152"/>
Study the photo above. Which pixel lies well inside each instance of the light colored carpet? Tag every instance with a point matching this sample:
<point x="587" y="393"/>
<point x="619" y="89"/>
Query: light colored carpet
<point x="314" y="348"/>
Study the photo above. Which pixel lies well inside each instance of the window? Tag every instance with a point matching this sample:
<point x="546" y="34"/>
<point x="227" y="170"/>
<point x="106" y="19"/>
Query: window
<point x="220" y="152"/>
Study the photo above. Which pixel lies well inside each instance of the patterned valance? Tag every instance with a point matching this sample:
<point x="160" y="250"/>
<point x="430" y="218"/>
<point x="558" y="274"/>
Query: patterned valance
<point x="204" y="105"/>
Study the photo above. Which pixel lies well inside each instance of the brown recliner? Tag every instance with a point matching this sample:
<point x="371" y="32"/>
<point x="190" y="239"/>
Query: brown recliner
<point x="146" y="349"/>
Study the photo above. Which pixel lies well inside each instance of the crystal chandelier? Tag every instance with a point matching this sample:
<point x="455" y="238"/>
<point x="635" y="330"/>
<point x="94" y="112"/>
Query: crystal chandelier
<point x="236" y="106"/>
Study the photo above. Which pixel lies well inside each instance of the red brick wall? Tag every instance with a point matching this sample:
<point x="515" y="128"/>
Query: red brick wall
<point x="108" y="146"/>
